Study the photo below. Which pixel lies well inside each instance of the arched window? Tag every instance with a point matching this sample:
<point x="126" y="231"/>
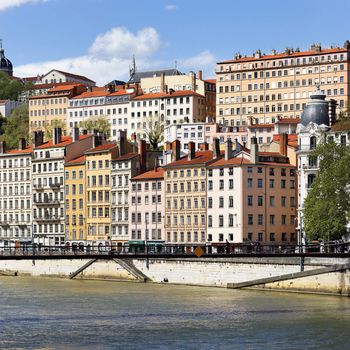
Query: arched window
<point x="312" y="142"/>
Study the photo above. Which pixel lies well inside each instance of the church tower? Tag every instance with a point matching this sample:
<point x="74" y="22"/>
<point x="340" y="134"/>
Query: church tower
<point x="5" y="63"/>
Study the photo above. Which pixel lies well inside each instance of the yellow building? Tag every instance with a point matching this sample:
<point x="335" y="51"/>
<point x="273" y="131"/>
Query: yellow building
<point x="53" y="105"/>
<point x="279" y="84"/>
<point x="75" y="193"/>
<point x="186" y="195"/>
<point x="98" y="192"/>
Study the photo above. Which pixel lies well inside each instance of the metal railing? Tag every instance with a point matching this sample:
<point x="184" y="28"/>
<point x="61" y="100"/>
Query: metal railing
<point x="175" y="250"/>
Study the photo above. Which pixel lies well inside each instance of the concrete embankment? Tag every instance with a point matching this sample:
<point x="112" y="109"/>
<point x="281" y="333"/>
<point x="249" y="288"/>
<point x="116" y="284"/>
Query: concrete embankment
<point x="329" y="275"/>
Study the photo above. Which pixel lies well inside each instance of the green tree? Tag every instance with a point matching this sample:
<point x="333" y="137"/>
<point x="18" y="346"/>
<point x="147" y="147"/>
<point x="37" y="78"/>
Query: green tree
<point x="16" y="126"/>
<point x="100" y="124"/>
<point x="327" y="205"/>
<point x="10" y="89"/>
<point x="55" y="123"/>
<point x="154" y="132"/>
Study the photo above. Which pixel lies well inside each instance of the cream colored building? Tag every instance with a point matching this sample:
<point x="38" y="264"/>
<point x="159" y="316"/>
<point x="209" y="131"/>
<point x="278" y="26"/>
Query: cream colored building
<point x="279" y="84"/>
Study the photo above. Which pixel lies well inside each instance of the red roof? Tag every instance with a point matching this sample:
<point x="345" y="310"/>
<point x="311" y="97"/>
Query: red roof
<point x="65" y="87"/>
<point x="288" y="121"/>
<point x="102" y="148"/>
<point x="284" y="55"/>
<point x="261" y="126"/>
<point x="178" y="93"/>
<point x="126" y="156"/>
<point x="200" y="158"/>
<point x="65" y="141"/>
<point x="101" y="92"/>
<point x="231" y="161"/>
<point x="80" y="159"/>
<point x="47" y="86"/>
<point x="210" y="81"/>
<point x="157" y="173"/>
<point x="19" y="151"/>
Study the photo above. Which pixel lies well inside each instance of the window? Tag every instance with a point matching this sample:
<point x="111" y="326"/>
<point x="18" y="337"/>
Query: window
<point x="250" y="219"/>
<point x="260" y="219"/>
<point x="272" y="237"/>
<point x="221" y="220"/>
<point x="260" y="201"/>
<point x="272" y="219"/>
<point x="221" y="202"/>
<point x="250" y="183"/>
<point x="260" y="183"/>
<point x="250" y="200"/>
<point x="272" y="201"/>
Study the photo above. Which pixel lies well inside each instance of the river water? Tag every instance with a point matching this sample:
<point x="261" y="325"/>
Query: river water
<point x="43" y="313"/>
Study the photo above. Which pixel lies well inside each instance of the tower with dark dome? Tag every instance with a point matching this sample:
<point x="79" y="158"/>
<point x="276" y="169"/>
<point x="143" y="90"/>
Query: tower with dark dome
<point x="5" y="63"/>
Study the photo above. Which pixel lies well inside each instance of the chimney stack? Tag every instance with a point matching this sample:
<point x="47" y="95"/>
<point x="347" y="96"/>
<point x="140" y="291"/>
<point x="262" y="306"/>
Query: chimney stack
<point x="216" y="147"/>
<point x="162" y="82"/>
<point x="2" y="147"/>
<point x="75" y="134"/>
<point x="175" y="146"/>
<point x="22" y="144"/>
<point x="38" y="138"/>
<point x="204" y="146"/>
<point x="200" y="75"/>
<point x="143" y="155"/>
<point x="122" y="142"/>
<point x="57" y="136"/>
<point x="254" y="149"/>
<point x="193" y="78"/>
<point x="228" y="149"/>
<point x="284" y="144"/>
<point x="191" y="150"/>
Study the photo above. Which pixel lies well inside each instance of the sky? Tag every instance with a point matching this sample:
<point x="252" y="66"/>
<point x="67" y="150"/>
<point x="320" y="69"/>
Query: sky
<point x="98" y="38"/>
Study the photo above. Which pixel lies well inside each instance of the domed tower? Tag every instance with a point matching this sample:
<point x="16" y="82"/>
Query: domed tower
<point x="5" y="63"/>
<point x="317" y="110"/>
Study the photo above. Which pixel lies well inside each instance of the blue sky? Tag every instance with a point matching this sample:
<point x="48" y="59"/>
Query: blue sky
<point x="97" y="38"/>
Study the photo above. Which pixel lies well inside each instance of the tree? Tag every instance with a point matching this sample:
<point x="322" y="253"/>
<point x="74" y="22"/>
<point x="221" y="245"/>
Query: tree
<point x="55" y="123"/>
<point x="154" y="132"/>
<point x="10" y="89"/>
<point x="100" y="124"/>
<point x="16" y="126"/>
<point x="327" y="205"/>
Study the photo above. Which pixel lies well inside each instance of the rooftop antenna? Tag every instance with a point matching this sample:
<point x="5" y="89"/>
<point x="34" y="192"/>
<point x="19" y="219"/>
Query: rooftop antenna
<point x="175" y="64"/>
<point x="0" y="43"/>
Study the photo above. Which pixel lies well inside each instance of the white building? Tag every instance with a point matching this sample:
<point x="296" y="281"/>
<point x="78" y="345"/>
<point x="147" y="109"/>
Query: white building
<point x="15" y="195"/>
<point x="58" y="76"/>
<point x="175" y="107"/>
<point x="102" y="102"/>
<point x="6" y="107"/>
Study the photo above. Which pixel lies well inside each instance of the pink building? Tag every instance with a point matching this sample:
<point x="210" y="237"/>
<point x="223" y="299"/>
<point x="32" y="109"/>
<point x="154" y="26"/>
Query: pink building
<point x="146" y="200"/>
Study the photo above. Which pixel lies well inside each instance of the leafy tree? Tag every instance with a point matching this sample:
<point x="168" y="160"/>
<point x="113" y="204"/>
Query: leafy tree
<point x="154" y="132"/>
<point x="327" y="205"/>
<point x="16" y="126"/>
<point x="10" y="89"/>
<point x="100" y="124"/>
<point x="55" y="123"/>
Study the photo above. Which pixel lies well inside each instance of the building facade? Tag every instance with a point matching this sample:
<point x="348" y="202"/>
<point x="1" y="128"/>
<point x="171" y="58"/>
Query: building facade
<point x="280" y="84"/>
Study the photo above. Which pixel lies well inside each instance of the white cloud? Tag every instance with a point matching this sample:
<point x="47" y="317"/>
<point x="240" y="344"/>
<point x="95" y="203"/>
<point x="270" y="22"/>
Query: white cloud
<point x="119" y="42"/>
<point x="171" y="7"/>
<point x="5" y="4"/>
<point x="111" y="53"/>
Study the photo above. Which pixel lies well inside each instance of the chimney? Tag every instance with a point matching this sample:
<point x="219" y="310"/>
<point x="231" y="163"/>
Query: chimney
<point x="122" y="142"/>
<point x="38" y="138"/>
<point x="284" y="144"/>
<point x="96" y="141"/>
<point x="22" y="144"/>
<point x="228" y="149"/>
<point x="57" y="136"/>
<point x="2" y="147"/>
<point x="254" y="149"/>
<point x="216" y="147"/>
<point x="193" y="76"/>
<point x="75" y="134"/>
<point x="175" y="146"/>
<point x="200" y="75"/>
<point x="143" y="155"/>
<point x="191" y="150"/>
<point x="162" y="82"/>
<point x="204" y="146"/>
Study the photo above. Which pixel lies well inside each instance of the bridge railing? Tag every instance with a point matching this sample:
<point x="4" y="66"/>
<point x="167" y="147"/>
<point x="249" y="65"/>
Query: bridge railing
<point x="222" y="249"/>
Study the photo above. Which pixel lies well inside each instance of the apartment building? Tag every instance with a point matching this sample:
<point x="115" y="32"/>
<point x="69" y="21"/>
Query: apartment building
<point x="111" y="102"/>
<point x="280" y="84"/>
<point x="251" y="197"/>
<point x="185" y="183"/>
<point x="48" y="178"/>
<point x="15" y="195"/>
<point x="75" y="200"/>
<point x="57" y="76"/>
<point x="98" y="192"/>
<point x="174" y="107"/>
<point x="46" y="108"/>
<point x="146" y="200"/>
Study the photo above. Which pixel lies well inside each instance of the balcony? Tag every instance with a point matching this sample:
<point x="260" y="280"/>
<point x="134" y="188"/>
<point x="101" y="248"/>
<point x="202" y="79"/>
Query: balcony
<point x="47" y="202"/>
<point x="55" y="185"/>
<point x="4" y="223"/>
<point x="47" y="218"/>
<point x="38" y="187"/>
